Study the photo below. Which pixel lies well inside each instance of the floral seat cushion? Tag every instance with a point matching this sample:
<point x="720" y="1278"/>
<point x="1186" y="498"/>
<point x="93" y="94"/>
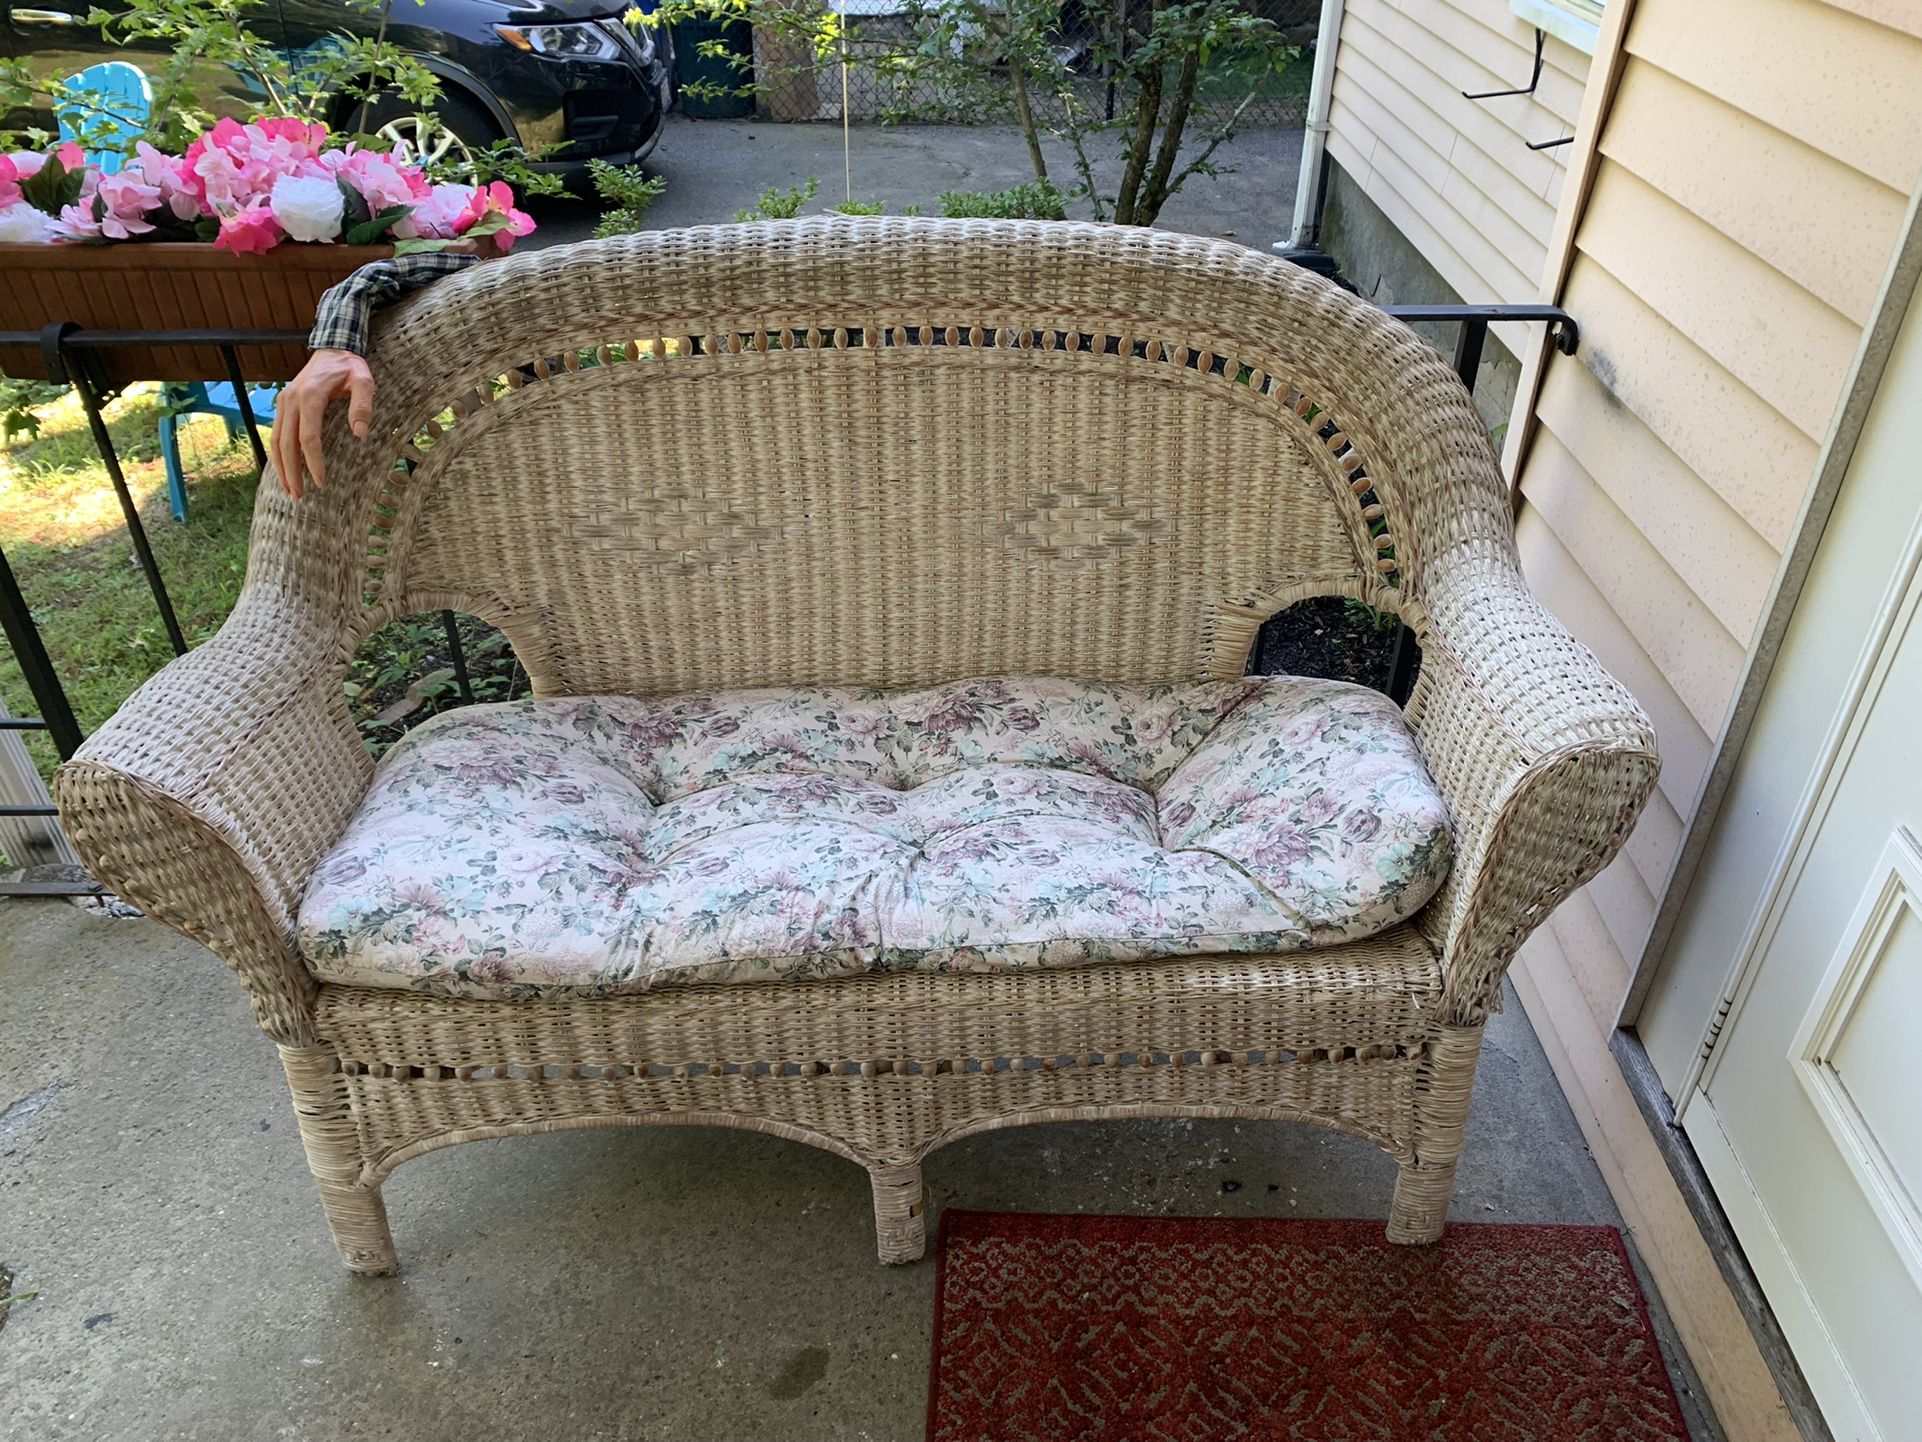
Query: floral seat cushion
<point x="608" y="845"/>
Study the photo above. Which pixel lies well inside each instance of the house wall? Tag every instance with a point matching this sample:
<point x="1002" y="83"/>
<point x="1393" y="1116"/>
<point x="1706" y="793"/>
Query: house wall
<point x="1720" y="229"/>
<point x="1731" y="217"/>
<point x="1454" y="176"/>
<point x="1387" y="267"/>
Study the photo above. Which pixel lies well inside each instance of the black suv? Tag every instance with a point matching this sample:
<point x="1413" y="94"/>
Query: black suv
<point x="564" y="75"/>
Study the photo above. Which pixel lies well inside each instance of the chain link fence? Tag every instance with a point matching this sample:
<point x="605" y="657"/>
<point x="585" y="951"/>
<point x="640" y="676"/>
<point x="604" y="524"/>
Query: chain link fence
<point x="793" y="84"/>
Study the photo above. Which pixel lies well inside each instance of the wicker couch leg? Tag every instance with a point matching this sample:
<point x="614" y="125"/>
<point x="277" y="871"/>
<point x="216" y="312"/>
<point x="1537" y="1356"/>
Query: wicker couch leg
<point x="358" y="1218"/>
<point x="900" y="1223"/>
<point x="1426" y="1183"/>
<point x="1421" y="1203"/>
<point x="354" y="1209"/>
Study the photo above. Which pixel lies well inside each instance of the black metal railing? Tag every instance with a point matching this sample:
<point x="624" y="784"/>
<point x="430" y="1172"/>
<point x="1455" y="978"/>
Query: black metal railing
<point x="1475" y="320"/>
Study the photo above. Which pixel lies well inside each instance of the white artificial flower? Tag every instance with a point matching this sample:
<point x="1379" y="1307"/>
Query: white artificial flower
<point x="308" y="208"/>
<point x="21" y="224"/>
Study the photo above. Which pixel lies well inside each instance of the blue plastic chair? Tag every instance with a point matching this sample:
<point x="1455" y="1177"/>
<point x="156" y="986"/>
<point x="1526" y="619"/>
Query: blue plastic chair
<point x="215" y="398"/>
<point x="122" y="91"/>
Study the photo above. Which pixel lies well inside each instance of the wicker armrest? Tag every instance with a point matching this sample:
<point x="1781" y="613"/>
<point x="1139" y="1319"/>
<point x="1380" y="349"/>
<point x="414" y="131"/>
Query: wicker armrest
<point x="214" y="790"/>
<point x="1545" y="759"/>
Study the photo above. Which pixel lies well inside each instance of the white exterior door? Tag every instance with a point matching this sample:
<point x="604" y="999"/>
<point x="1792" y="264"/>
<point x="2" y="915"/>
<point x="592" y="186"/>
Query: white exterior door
<point x="1807" y="1112"/>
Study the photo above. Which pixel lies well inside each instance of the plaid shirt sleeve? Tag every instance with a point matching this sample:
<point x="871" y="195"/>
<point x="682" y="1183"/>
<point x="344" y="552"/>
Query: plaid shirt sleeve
<point x="345" y="315"/>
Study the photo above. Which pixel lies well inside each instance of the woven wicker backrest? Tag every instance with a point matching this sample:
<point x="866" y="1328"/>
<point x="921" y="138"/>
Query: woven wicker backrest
<point x="894" y="452"/>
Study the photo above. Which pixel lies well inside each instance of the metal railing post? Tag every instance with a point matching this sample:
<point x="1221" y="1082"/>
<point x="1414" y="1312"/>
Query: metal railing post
<point x="246" y="406"/>
<point x="80" y="373"/>
<point x="1468" y="351"/>
<point x="56" y="712"/>
<point x="458" y="656"/>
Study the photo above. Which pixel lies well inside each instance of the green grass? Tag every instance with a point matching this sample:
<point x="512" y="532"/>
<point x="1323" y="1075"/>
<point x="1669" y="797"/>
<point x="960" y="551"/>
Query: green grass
<point x="67" y="541"/>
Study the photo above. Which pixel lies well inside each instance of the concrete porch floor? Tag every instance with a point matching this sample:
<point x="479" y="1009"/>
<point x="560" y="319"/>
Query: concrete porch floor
<point x="660" y="1282"/>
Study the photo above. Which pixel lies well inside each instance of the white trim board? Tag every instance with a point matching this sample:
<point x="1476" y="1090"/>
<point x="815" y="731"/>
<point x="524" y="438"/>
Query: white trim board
<point x="1815" y="1351"/>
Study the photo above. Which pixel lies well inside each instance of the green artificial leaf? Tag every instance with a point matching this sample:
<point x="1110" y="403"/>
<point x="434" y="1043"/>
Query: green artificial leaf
<point x="492" y="221"/>
<point x="420" y="246"/>
<point x="54" y="187"/>
<point x="353" y="210"/>
<point x="369" y="231"/>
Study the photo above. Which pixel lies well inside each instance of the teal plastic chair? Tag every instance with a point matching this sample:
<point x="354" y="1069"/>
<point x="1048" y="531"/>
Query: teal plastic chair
<point x="121" y="91"/>
<point x="214" y="398"/>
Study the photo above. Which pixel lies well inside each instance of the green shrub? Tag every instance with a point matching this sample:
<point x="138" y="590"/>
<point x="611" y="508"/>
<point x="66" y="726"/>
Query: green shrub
<point x="1037" y="200"/>
<point x="627" y="193"/>
<point x="778" y="204"/>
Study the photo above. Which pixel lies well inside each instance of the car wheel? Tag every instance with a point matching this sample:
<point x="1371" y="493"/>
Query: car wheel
<point x="450" y="132"/>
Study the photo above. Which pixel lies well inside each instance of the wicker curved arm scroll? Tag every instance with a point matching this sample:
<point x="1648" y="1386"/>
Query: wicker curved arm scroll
<point x="1546" y="762"/>
<point x="211" y="794"/>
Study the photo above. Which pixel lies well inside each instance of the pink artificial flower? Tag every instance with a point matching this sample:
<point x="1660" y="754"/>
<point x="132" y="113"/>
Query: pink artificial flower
<point x="23" y="165"/>
<point x="436" y="216"/>
<point x="215" y="142"/>
<point x="77" y="222"/>
<point x="496" y="197"/>
<point x="308" y="135"/>
<point x="377" y="179"/>
<point x="233" y="166"/>
<point x="213" y="180"/>
<point x="166" y="174"/>
<point x="252" y="231"/>
<point x="123" y="201"/>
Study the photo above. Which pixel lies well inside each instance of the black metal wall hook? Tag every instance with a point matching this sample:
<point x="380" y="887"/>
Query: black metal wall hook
<point x="1534" y="79"/>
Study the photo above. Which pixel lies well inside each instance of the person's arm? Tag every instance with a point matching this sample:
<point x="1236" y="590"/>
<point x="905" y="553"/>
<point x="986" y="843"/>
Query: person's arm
<point x="338" y="368"/>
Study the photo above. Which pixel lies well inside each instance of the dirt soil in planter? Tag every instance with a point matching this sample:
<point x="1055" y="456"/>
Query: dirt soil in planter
<point x="1329" y="636"/>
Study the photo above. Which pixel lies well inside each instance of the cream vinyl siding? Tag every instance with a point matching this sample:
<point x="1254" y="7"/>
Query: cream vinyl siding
<point x="1750" y="177"/>
<point x="1738" y="198"/>
<point x="1721" y="229"/>
<point x="1456" y="176"/>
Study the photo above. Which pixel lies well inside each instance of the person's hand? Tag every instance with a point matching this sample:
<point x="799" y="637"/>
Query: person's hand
<point x="327" y="376"/>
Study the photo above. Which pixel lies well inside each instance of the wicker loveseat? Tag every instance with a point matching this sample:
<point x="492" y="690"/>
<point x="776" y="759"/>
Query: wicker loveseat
<point x="689" y="472"/>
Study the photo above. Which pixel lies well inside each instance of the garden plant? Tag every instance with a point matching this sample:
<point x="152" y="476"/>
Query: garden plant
<point x="1181" y="75"/>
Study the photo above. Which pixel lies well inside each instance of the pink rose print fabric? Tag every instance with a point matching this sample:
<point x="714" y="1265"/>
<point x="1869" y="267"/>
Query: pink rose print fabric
<point x="605" y="845"/>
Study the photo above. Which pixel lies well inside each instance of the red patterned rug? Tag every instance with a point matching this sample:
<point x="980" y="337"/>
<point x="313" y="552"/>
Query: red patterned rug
<point x="1072" y="1329"/>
